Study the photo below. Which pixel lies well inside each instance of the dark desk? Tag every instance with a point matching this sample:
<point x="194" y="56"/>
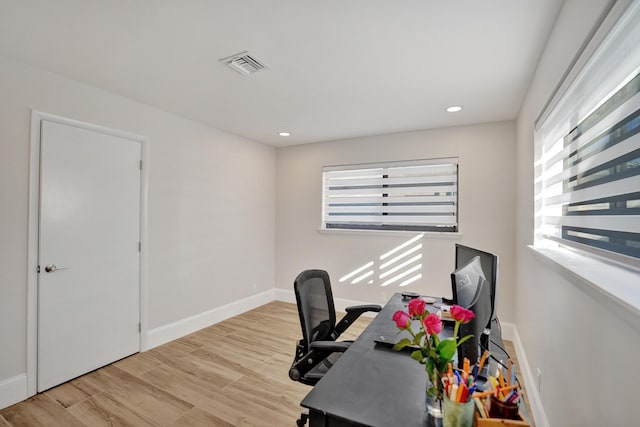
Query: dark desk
<point x="372" y="385"/>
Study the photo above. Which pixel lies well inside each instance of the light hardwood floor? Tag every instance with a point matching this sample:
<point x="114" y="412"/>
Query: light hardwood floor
<point x="233" y="373"/>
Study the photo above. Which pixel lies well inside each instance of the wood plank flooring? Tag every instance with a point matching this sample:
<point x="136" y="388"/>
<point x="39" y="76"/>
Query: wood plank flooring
<point x="234" y="373"/>
<point x="509" y="347"/>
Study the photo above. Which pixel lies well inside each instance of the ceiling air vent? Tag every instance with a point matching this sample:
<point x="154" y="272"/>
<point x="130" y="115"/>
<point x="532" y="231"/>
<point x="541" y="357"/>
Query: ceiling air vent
<point x="243" y="63"/>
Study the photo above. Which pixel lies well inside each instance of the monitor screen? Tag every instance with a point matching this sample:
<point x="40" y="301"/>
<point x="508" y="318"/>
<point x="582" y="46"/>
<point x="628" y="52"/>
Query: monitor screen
<point x="489" y="266"/>
<point x="465" y="282"/>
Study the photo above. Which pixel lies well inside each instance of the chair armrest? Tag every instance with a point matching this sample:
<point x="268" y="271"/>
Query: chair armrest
<point x="330" y="346"/>
<point x="318" y="350"/>
<point x="352" y="315"/>
<point x="363" y="308"/>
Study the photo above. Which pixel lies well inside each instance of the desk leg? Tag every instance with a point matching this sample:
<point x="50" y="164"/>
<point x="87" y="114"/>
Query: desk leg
<point x="317" y="419"/>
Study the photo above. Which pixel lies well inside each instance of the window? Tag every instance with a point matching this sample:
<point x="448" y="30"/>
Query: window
<point x="410" y="196"/>
<point x="588" y="151"/>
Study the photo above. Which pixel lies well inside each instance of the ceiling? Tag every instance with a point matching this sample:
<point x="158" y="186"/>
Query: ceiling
<point x="336" y="68"/>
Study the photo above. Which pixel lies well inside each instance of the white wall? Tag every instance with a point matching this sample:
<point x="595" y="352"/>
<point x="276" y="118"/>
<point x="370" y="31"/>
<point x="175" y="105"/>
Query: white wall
<point x="211" y="204"/>
<point x="486" y="194"/>
<point x="586" y="351"/>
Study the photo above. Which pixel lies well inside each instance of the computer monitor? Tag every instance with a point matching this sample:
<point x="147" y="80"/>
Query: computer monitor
<point x="489" y="266"/>
<point x="471" y="291"/>
<point x="465" y="282"/>
<point x="481" y="307"/>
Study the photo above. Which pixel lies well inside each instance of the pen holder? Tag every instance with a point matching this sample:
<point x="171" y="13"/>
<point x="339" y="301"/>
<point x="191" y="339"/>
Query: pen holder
<point x="504" y="410"/>
<point x="456" y="414"/>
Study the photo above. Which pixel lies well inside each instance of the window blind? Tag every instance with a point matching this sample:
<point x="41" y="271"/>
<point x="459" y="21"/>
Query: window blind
<point x="412" y="196"/>
<point x="588" y="155"/>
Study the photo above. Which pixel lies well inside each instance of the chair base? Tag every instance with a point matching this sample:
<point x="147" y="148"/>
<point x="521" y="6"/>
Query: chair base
<point x="303" y="419"/>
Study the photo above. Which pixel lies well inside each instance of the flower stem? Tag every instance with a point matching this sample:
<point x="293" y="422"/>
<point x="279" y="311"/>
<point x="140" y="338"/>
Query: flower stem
<point x="455" y="330"/>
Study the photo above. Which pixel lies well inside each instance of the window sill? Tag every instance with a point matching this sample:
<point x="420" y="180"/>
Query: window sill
<point x="392" y="233"/>
<point x="611" y="284"/>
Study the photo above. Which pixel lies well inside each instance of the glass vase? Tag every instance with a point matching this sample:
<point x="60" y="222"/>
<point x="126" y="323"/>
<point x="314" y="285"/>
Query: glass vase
<point x="433" y="400"/>
<point x="434" y="406"/>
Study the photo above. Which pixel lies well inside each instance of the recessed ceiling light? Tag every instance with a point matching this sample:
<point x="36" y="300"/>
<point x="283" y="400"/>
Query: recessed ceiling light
<point x="284" y="134"/>
<point x="454" y="109"/>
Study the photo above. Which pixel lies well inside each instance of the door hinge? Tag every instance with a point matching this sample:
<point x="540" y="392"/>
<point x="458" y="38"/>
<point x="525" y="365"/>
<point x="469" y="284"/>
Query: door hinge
<point x="139" y="246"/>
<point x="140" y="164"/>
<point x="139" y="327"/>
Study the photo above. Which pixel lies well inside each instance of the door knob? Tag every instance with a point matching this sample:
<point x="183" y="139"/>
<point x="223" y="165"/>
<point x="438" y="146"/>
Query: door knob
<point x="50" y="268"/>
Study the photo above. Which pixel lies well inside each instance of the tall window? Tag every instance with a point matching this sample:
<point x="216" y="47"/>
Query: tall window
<point x="413" y="196"/>
<point x="588" y="150"/>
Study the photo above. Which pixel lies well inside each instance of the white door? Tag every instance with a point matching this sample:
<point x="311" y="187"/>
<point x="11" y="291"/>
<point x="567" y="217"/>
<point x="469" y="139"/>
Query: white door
<point x="89" y="281"/>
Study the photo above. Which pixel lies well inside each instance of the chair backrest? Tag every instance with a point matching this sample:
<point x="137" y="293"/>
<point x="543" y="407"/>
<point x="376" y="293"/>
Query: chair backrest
<point x="315" y="306"/>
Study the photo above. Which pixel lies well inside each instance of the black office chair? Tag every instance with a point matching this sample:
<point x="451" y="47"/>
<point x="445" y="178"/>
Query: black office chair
<point x="318" y="350"/>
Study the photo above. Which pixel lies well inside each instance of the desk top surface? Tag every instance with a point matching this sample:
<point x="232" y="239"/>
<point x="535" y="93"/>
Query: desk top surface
<point x="371" y="384"/>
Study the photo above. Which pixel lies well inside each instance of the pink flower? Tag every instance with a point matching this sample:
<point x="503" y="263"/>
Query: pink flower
<point x="461" y="314"/>
<point x="432" y="324"/>
<point x="416" y="307"/>
<point x="402" y="319"/>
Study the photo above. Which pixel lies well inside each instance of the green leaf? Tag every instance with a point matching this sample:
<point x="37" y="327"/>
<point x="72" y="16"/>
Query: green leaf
<point x="418" y="338"/>
<point x="447" y="349"/>
<point x="417" y="355"/>
<point x="433" y="353"/>
<point x="442" y="364"/>
<point x="432" y="391"/>
<point x="429" y="366"/>
<point x="402" y="344"/>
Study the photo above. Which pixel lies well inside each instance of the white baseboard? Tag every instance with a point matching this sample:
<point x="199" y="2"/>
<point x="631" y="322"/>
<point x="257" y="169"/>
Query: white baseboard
<point x="530" y="384"/>
<point x="13" y="390"/>
<point x="287" y="295"/>
<point x="170" y="332"/>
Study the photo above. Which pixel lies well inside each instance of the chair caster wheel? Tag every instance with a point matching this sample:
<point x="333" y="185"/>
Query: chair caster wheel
<point x="303" y="420"/>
